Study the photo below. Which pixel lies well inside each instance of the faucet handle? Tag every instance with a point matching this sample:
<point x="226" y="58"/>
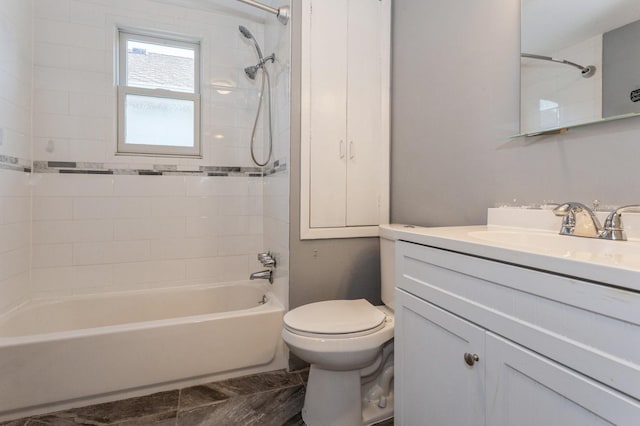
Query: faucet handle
<point x="578" y="220"/>
<point x="613" y="229"/>
<point x="568" y="212"/>
<point x="267" y="259"/>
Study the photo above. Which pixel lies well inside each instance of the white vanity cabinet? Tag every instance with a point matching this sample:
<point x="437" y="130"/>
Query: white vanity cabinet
<point x="483" y="342"/>
<point x="344" y="117"/>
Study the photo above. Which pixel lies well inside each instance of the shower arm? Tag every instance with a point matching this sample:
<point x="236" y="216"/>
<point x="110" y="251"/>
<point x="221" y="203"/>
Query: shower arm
<point x="586" y="71"/>
<point x="282" y="13"/>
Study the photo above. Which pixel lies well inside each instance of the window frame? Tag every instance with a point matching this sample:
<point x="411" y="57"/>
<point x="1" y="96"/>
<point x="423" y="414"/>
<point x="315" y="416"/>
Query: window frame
<point x="124" y="89"/>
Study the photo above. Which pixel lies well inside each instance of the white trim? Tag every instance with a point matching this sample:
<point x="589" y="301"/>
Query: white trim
<point x="345" y="232"/>
<point x="305" y="124"/>
<point x="122" y="147"/>
<point x="306" y="232"/>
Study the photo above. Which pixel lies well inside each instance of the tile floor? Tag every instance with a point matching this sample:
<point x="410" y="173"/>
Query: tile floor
<point x="267" y="399"/>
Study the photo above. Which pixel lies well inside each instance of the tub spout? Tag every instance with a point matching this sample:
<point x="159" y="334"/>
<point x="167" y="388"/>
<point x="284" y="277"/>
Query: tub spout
<point x="267" y="274"/>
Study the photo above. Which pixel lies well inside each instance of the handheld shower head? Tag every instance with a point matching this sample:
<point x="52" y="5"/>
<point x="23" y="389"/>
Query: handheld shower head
<point x="247" y="34"/>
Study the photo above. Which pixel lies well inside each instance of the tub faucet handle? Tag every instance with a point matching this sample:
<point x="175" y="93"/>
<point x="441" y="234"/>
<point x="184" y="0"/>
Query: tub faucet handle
<point x="267" y="259"/>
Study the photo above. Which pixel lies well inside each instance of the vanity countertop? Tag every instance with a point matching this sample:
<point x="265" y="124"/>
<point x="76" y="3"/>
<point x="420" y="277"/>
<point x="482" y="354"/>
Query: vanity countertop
<point x="613" y="263"/>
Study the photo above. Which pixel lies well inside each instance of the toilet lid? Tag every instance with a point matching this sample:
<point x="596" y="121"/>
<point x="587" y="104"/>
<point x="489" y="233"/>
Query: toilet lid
<point x="335" y="317"/>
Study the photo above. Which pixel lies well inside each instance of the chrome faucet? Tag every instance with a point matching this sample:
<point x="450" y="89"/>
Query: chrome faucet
<point x="267" y="274"/>
<point x="578" y="220"/>
<point x="613" y="223"/>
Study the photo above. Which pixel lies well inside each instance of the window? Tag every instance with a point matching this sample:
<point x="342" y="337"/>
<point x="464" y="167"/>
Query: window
<point x="158" y="96"/>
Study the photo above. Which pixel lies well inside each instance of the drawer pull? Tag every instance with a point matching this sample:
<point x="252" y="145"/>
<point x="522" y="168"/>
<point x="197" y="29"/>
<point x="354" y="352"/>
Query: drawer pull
<point x="471" y="359"/>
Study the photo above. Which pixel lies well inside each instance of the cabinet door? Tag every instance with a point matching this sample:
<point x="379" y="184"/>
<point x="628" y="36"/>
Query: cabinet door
<point x="364" y="111"/>
<point x="433" y="383"/>
<point x="328" y="113"/>
<point x="526" y="389"/>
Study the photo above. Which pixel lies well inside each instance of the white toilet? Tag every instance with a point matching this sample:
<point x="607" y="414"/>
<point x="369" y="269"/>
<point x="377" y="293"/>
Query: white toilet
<point x="349" y="344"/>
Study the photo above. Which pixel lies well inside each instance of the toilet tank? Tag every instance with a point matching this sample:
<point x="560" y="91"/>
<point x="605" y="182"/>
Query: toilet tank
<point x="388" y="237"/>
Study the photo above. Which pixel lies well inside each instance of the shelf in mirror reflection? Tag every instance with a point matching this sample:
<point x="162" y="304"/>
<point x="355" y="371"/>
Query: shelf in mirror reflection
<point x="565" y="129"/>
<point x="605" y="35"/>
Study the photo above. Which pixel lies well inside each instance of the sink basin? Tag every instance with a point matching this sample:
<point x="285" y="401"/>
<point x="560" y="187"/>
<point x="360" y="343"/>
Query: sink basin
<point x="618" y="252"/>
<point x="550" y="242"/>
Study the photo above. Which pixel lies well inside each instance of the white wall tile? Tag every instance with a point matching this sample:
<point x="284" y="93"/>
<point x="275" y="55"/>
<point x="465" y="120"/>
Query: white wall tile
<point x="68" y="185"/>
<point x="174" y="206"/>
<point x="164" y="272"/>
<point x="218" y="269"/>
<point x="184" y="248"/>
<point x="14" y="235"/>
<point x="52" y="208"/>
<point x="92" y="208"/>
<point x="149" y="186"/>
<point x="71" y="279"/>
<point x="13" y="263"/>
<point x="156" y="228"/>
<point x="66" y="231"/>
<point x="52" y="255"/>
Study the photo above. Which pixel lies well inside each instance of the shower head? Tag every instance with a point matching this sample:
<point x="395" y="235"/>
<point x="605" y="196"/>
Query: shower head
<point x="247" y="34"/>
<point x="251" y="71"/>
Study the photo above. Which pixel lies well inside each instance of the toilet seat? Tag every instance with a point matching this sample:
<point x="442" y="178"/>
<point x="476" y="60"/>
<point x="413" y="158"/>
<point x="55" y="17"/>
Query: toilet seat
<point x="335" y="319"/>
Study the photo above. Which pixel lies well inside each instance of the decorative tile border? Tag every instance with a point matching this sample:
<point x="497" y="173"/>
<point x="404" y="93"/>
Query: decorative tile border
<point x="72" y="167"/>
<point x="91" y="168"/>
<point x="8" y="162"/>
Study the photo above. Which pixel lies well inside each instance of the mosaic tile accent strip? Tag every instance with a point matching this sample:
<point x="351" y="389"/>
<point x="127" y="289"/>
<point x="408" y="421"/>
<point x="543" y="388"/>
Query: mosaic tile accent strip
<point x="154" y="169"/>
<point x="8" y="162"/>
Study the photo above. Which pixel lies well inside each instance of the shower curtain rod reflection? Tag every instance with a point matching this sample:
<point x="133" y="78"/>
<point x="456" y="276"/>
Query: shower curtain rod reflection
<point x="586" y="72"/>
<point x="282" y="13"/>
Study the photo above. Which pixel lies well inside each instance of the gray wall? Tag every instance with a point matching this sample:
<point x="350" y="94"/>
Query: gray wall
<point x="620" y="65"/>
<point x="455" y="102"/>
<point x="323" y="269"/>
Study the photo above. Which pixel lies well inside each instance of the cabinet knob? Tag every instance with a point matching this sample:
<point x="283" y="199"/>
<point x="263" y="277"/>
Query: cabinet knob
<point x="471" y="359"/>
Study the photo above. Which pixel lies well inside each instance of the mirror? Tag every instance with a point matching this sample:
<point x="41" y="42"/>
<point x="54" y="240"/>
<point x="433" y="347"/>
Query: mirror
<point x="580" y="63"/>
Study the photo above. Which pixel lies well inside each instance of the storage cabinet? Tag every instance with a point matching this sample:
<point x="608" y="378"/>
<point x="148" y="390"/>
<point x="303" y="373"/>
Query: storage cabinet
<point x="345" y="117"/>
<point x="433" y="384"/>
<point x="480" y="342"/>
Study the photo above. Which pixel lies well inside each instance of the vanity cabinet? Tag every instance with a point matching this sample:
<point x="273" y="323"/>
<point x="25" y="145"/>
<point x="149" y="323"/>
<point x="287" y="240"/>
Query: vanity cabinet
<point x="344" y="117"/>
<point x="483" y="342"/>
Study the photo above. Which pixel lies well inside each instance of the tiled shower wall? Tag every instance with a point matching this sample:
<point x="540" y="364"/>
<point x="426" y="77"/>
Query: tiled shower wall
<point x="75" y="97"/>
<point x="96" y="232"/>
<point x="15" y="135"/>
<point x="118" y="231"/>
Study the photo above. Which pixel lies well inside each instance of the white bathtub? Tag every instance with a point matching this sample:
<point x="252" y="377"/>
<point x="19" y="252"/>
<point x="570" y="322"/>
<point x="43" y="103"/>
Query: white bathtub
<point x="53" y="352"/>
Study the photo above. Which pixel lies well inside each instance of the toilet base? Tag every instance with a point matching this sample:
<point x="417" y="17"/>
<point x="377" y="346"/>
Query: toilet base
<point x="332" y="398"/>
<point x="335" y="398"/>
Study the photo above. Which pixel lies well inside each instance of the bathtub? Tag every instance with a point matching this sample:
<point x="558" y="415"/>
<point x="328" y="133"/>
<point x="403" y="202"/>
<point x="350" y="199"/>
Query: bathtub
<point x="54" y="352"/>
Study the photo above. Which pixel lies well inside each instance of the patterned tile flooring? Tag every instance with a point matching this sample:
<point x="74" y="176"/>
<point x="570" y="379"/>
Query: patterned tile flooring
<point x="268" y="399"/>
